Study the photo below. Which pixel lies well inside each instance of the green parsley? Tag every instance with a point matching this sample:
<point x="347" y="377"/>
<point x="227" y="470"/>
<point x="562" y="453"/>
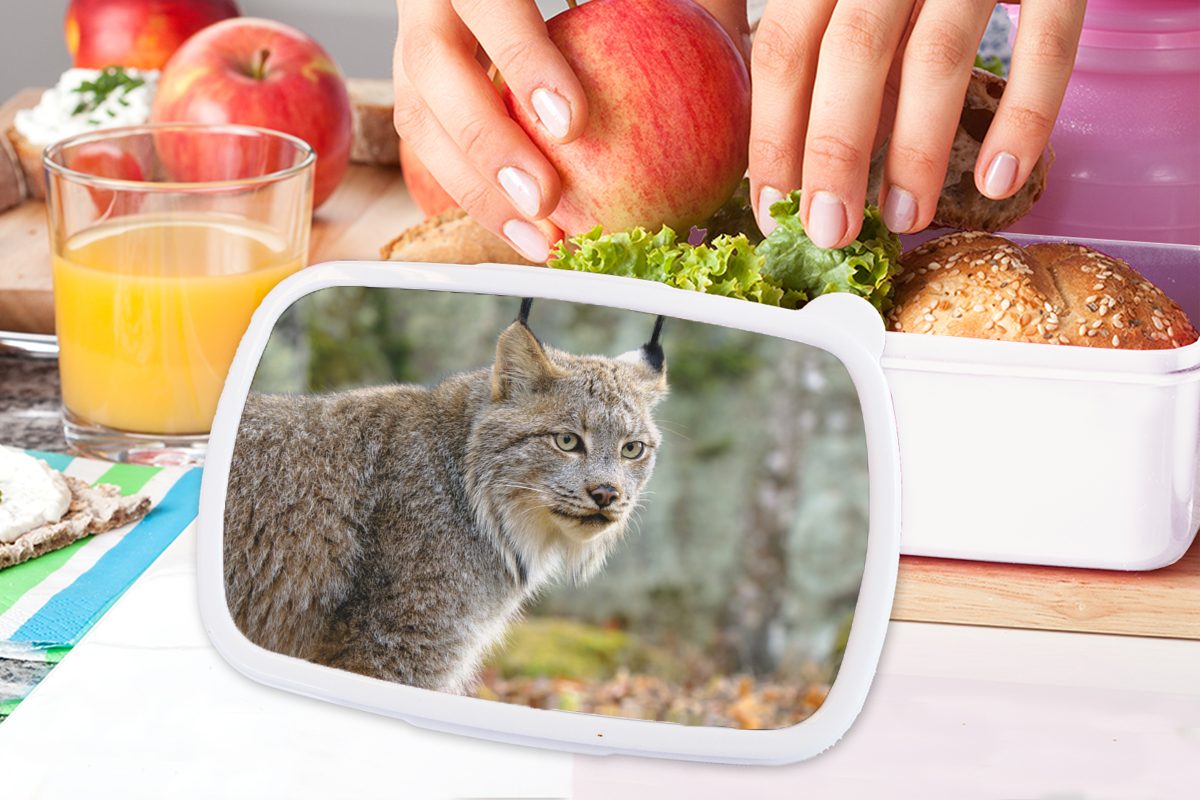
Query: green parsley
<point x="111" y="79"/>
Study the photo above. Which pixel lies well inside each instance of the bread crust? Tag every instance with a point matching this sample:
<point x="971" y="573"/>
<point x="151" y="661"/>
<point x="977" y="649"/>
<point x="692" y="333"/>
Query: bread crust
<point x="29" y="155"/>
<point x="12" y="176"/>
<point x="451" y="238"/>
<point x="374" y="138"/>
<point x="977" y="285"/>
<point x="960" y="205"/>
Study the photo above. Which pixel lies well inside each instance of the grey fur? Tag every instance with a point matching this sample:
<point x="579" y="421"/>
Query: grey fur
<point x="395" y="531"/>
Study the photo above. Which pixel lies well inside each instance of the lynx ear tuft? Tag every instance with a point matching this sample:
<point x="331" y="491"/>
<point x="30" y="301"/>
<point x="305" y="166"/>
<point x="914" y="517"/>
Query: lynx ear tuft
<point x="651" y="353"/>
<point x="652" y="350"/>
<point x="521" y="364"/>
<point x="652" y="366"/>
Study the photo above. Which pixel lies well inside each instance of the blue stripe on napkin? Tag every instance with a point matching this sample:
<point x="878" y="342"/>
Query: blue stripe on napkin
<point x="64" y="617"/>
<point x="57" y="461"/>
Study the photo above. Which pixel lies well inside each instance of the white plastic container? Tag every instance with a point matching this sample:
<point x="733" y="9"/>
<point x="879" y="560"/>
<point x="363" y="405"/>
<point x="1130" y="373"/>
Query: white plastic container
<point x="1060" y="455"/>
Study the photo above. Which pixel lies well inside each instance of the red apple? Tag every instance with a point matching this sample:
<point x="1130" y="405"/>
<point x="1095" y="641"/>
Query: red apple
<point x="668" y="115"/>
<point x="428" y="194"/>
<point x="263" y="73"/>
<point x="107" y="160"/>
<point x="137" y="33"/>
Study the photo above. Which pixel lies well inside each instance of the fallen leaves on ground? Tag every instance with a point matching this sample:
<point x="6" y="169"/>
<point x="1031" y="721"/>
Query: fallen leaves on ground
<point x="737" y="701"/>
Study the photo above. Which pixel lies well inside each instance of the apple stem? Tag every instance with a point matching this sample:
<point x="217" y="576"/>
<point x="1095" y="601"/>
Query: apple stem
<point x="572" y="3"/>
<point x="259" y="70"/>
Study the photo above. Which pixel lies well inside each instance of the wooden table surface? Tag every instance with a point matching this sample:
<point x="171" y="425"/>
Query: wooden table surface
<point x="372" y="206"/>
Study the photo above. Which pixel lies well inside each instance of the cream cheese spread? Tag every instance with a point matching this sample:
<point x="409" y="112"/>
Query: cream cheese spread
<point x="88" y="100"/>
<point x="31" y="494"/>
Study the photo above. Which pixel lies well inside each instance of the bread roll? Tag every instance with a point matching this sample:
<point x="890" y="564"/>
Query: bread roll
<point x="451" y="238"/>
<point x="29" y="155"/>
<point x="374" y="138"/>
<point x="12" y="176"/>
<point x="982" y="286"/>
<point x="960" y="205"/>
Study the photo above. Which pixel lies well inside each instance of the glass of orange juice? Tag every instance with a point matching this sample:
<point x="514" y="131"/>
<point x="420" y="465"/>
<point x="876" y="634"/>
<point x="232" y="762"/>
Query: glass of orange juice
<point x="164" y="238"/>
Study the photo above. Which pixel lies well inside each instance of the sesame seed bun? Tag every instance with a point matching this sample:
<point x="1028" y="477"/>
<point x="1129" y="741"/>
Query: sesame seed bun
<point x="983" y="286"/>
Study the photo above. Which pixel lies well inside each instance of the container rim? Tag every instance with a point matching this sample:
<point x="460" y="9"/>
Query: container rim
<point x="961" y="355"/>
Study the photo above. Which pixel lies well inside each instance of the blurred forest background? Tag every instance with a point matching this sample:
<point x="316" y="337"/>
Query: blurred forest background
<point x="730" y="600"/>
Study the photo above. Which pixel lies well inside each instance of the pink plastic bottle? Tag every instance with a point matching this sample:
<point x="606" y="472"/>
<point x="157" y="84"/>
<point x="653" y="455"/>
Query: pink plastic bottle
<point x="1127" y="142"/>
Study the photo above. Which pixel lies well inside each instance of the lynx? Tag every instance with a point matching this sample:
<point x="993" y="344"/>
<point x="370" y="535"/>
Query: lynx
<point x="396" y="531"/>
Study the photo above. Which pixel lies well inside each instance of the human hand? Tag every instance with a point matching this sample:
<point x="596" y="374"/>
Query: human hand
<point x="833" y="78"/>
<point x="449" y="112"/>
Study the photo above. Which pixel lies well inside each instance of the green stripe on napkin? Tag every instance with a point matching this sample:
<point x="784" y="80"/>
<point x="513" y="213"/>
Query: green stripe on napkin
<point x="129" y="478"/>
<point x="22" y="577"/>
<point x="19" y="579"/>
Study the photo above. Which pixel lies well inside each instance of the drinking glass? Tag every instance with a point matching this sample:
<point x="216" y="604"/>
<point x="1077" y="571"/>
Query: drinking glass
<point x="164" y="238"/>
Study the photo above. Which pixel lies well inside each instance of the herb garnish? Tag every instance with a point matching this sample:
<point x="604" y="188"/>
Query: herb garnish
<point x="111" y="79"/>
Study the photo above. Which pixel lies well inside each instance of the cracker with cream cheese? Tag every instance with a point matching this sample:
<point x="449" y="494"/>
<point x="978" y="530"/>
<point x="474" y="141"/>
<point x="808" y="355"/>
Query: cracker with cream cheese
<point x="92" y="510"/>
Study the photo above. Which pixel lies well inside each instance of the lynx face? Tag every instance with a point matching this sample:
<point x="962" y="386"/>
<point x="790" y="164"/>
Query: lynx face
<point x="568" y="443"/>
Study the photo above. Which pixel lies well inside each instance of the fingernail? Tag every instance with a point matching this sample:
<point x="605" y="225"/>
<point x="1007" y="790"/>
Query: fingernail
<point x="522" y="189"/>
<point x="899" y="210"/>
<point x="528" y="240"/>
<point x="826" y="219"/>
<point x="553" y="111"/>
<point x="1001" y="175"/>
<point x="767" y="197"/>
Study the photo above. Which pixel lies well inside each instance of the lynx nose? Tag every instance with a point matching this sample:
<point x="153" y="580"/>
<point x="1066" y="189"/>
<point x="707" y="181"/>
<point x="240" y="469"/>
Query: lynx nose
<point x="604" y="495"/>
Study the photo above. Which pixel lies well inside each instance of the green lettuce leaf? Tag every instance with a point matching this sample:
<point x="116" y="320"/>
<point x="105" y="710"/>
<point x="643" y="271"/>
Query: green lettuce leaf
<point x="864" y="267"/>
<point x="786" y="269"/>
<point x="632" y="254"/>
<point x="992" y="64"/>
<point x="728" y="265"/>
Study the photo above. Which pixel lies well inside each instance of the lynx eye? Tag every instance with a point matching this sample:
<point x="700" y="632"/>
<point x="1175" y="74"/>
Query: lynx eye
<point x="568" y="442"/>
<point x="633" y="450"/>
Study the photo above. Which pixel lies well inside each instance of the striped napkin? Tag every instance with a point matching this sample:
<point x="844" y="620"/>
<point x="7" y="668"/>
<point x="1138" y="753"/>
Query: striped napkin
<point x="51" y="601"/>
<point x="48" y="603"/>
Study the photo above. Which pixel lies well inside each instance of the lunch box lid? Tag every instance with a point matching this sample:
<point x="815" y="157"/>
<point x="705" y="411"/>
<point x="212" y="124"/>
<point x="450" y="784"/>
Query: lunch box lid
<point x="845" y="326"/>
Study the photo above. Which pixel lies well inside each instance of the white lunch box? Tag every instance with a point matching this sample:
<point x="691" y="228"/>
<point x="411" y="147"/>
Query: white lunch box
<point x="1038" y="454"/>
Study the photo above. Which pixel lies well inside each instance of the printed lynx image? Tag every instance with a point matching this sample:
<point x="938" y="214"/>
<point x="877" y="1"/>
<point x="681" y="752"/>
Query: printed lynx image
<point x="548" y="503"/>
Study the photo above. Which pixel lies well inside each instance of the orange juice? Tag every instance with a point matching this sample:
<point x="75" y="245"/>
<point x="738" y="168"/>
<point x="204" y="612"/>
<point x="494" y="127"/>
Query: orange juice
<point x="149" y="311"/>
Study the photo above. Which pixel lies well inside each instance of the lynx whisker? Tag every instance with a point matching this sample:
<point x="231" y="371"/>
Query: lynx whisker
<point x="670" y="428"/>
<point x="508" y="485"/>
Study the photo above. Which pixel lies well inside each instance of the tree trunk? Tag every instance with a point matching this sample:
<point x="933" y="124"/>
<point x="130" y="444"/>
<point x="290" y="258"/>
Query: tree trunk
<point x="753" y="631"/>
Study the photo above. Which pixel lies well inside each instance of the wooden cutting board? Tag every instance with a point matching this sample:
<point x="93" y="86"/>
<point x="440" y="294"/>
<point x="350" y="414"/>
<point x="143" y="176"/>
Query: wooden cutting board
<point x="370" y="208"/>
<point x="1164" y="602"/>
<point x="26" y="304"/>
